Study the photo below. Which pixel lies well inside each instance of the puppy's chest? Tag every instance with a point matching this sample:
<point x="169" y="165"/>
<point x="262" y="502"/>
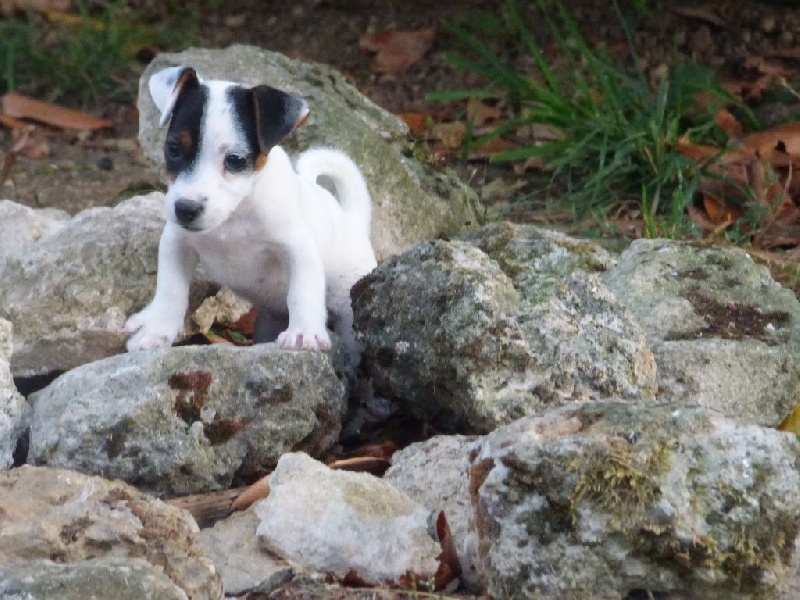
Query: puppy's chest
<point x="243" y="261"/>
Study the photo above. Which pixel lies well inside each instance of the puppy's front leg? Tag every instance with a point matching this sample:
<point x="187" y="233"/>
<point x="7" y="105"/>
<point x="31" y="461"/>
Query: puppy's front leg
<point x="305" y="300"/>
<point x="162" y="320"/>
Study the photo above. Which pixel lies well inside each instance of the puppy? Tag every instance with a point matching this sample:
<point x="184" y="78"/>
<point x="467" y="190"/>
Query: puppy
<point x="259" y="225"/>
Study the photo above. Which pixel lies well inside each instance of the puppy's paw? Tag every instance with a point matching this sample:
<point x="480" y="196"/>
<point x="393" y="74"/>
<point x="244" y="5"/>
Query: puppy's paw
<point x="297" y="339"/>
<point x="151" y="330"/>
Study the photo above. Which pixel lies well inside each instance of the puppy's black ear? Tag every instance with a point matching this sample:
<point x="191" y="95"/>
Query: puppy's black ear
<point x="166" y="87"/>
<point x="277" y="115"/>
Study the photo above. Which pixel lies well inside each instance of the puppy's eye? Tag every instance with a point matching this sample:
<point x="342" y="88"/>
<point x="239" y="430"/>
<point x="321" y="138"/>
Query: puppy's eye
<point x="172" y="149"/>
<point x="235" y="163"/>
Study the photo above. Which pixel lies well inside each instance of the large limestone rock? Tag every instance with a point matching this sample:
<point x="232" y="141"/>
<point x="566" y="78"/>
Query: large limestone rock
<point x="14" y="411"/>
<point x="411" y="200"/>
<point x="723" y="332"/>
<point x="435" y="473"/>
<point x="244" y="567"/>
<point x="69" y="292"/>
<point x="599" y="500"/>
<point x="188" y="419"/>
<point x="117" y="578"/>
<point x="342" y="523"/>
<point x="21" y="225"/>
<point x="69" y="518"/>
<point x="475" y="333"/>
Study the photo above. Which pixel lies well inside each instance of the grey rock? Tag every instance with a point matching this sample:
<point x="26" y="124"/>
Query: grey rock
<point x="475" y="333"/>
<point x="597" y="500"/>
<point x="244" y="567"/>
<point x="69" y="518"/>
<point x="435" y="473"/>
<point x="69" y="293"/>
<point x="117" y="578"/>
<point x="724" y="333"/>
<point x="188" y="419"/>
<point x="21" y="225"/>
<point x="341" y="522"/>
<point x="412" y="201"/>
<point x="14" y="411"/>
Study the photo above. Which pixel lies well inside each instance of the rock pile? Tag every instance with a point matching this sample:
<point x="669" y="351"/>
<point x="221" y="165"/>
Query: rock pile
<point x="608" y="418"/>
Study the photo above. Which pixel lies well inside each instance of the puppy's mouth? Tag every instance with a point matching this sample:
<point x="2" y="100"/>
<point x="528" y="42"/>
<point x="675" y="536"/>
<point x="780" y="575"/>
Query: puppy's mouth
<point x="190" y="227"/>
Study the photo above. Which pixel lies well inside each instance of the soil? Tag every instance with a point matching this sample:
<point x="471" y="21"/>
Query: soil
<point x="84" y="171"/>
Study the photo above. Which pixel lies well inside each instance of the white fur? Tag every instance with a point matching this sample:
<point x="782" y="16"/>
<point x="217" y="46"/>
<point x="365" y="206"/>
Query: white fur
<point x="274" y="236"/>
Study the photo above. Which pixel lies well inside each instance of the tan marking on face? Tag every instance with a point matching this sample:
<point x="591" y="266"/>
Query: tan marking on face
<point x="261" y="160"/>
<point x="186" y="141"/>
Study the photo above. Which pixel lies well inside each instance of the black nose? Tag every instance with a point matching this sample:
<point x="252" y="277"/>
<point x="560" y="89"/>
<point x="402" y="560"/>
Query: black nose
<point x="187" y="211"/>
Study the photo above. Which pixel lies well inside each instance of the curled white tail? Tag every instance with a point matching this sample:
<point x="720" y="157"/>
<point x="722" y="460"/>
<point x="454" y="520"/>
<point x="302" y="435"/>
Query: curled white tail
<point x="351" y="189"/>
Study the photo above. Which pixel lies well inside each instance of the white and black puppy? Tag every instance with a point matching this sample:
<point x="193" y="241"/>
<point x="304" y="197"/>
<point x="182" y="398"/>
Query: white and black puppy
<point x="259" y="224"/>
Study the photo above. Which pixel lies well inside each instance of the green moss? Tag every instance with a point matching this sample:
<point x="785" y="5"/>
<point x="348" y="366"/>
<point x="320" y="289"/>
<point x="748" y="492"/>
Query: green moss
<point x="621" y="482"/>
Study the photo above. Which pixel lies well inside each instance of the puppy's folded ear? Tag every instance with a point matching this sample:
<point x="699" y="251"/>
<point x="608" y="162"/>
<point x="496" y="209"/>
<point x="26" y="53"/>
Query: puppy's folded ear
<point x="167" y="85"/>
<point x="277" y="115"/>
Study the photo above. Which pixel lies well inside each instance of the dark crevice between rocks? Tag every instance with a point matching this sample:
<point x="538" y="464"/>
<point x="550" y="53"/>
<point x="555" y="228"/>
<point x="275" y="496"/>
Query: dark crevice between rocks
<point x="732" y="320"/>
<point x="20" y="454"/>
<point x="29" y="385"/>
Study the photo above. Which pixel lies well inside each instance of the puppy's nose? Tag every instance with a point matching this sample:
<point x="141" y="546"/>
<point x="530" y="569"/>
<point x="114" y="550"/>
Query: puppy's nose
<point x="187" y="211"/>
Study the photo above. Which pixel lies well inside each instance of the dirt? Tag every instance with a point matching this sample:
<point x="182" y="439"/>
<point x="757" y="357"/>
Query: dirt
<point x="99" y="169"/>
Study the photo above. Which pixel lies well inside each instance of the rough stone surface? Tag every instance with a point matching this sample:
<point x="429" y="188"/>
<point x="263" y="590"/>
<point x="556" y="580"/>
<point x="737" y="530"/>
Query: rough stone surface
<point x="21" y="225"/>
<point x="69" y="293"/>
<point x="598" y="500"/>
<point x="724" y="333"/>
<point x="117" y="578"/>
<point x="188" y="419"/>
<point x="14" y="411"/>
<point x="411" y="201"/>
<point x="67" y="517"/>
<point x="244" y="567"/>
<point x="340" y="522"/>
<point x="435" y="473"/>
<point x="515" y="319"/>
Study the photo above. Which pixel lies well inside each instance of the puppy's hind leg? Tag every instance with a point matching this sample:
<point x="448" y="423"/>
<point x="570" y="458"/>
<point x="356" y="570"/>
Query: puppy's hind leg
<point x="269" y="324"/>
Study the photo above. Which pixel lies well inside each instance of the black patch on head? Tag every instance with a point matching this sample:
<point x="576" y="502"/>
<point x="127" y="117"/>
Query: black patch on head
<point x="245" y="119"/>
<point x="183" y="136"/>
<point x="266" y="116"/>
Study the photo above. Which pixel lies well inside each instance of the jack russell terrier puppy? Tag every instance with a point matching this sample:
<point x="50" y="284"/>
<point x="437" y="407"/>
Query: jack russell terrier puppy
<point x="260" y="225"/>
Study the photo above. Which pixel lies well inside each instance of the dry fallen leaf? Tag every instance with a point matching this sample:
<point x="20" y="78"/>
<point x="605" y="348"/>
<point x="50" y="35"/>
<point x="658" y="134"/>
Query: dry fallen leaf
<point x="792" y="422"/>
<point x="28" y="141"/>
<point x="397" y="50"/>
<point x="8" y="7"/>
<point x="22" y="107"/>
<point x="257" y="491"/>
<point x="449" y="565"/>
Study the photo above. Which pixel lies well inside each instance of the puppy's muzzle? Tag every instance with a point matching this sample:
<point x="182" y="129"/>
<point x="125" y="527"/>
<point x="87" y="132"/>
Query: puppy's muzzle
<point x="187" y="211"/>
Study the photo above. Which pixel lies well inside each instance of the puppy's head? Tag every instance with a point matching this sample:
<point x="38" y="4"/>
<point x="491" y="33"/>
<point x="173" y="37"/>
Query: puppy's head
<point x="218" y="139"/>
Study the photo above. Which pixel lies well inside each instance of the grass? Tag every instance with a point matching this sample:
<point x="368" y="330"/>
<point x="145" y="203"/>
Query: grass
<point x="617" y="131"/>
<point x="86" y="57"/>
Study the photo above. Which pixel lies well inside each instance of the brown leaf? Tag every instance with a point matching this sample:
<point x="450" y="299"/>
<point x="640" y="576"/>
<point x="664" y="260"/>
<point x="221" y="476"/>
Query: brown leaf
<point x="23" y="107"/>
<point x="8" y="7"/>
<point x="481" y="113"/>
<point x="418" y="122"/>
<point x="718" y="212"/>
<point x="449" y="565"/>
<point x="257" y="491"/>
<point x="782" y="139"/>
<point x="397" y="50"/>
<point x="702" y="13"/>
<point x="362" y="464"/>
<point x="451" y="135"/>
<point x="728" y="123"/>
<point x="29" y="141"/>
